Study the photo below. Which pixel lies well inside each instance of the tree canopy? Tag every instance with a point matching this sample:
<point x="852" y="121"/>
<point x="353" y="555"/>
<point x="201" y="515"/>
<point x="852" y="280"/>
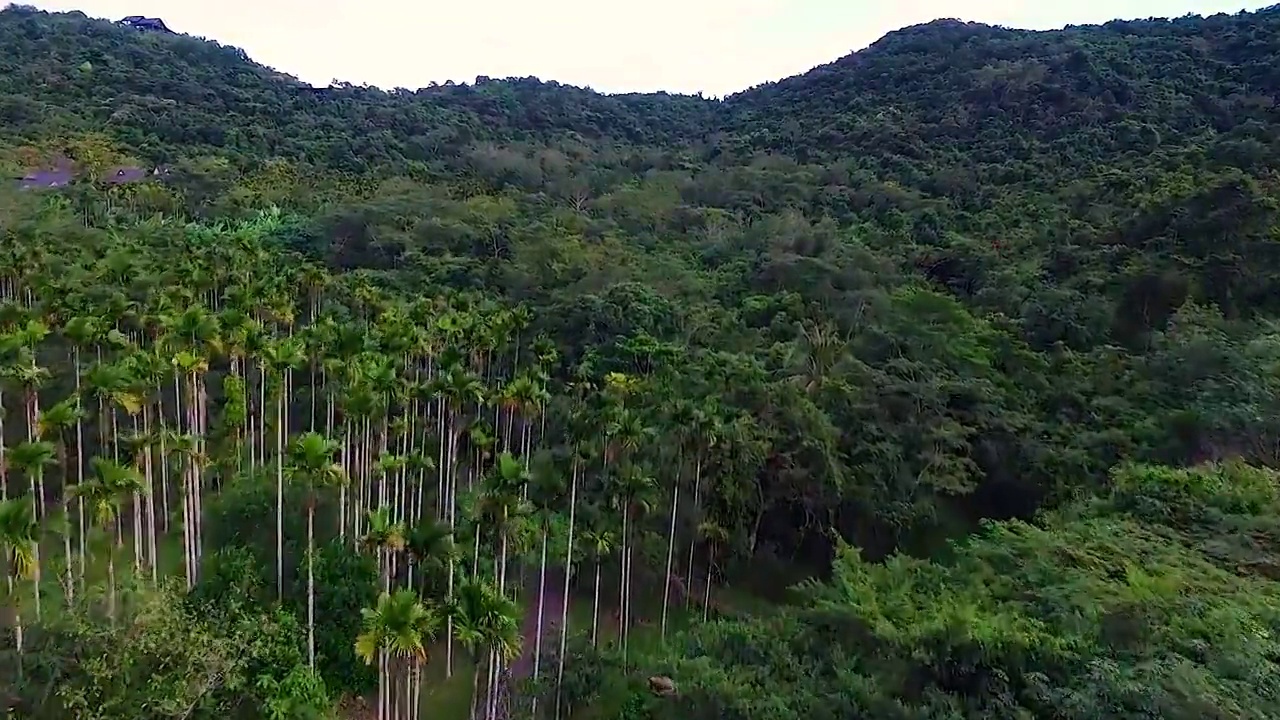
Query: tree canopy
<point x="514" y="399"/>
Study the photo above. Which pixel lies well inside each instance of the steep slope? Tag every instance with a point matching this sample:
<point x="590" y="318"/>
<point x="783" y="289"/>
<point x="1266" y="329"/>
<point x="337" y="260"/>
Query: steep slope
<point x="955" y="125"/>
<point x="1085" y="125"/>
<point x="1145" y="150"/>
<point x="160" y="92"/>
<point x="999" y="106"/>
<point x="1049" y="196"/>
<point x="974" y="295"/>
<point x="938" y="96"/>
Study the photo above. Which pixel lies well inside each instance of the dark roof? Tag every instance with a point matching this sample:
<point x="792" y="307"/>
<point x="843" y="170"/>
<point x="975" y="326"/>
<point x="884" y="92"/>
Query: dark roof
<point x="146" y="23"/>
<point x="46" y="178"/>
<point x="124" y="174"/>
<point x="63" y="174"/>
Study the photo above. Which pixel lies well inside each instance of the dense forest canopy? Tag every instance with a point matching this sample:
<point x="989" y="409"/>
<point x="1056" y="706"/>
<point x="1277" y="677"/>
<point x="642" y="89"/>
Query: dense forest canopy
<point x="942" y="381"/>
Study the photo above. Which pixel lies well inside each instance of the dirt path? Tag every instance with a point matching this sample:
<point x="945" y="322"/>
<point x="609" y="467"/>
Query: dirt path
<point x="553" y="604"/>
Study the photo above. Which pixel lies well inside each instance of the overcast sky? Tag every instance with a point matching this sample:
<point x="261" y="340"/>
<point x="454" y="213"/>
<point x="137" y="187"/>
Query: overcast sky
<point x="713" y="46"/>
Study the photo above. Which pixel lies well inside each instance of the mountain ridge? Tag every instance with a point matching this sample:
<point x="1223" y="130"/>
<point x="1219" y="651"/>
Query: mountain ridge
<point x="829" y="112"/>
<point x="891" y="40"/>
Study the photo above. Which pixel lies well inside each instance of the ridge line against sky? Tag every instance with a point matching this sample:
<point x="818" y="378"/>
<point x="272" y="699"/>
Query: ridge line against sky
<point x="716" y="47"/>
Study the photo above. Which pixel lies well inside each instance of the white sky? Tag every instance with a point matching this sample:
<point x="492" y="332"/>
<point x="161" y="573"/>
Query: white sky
<point x="713" y="46"/>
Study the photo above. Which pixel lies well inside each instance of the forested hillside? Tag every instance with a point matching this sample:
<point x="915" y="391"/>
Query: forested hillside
<point x="940" y="382"/>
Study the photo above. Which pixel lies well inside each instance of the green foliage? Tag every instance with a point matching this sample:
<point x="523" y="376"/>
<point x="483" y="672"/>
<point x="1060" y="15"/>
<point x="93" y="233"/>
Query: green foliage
<point x="19" y="533"/>
<point x="968" y="311"/>
<point x="162" y="660"/>
<point x="243" y="514"/>
<point x="241" y="558"/>
<point x="1093" y="613"/>
<point x="398" y="624"/>
<point x="301" y="695"/>
<point x="348" y="583"/>
<point x="230" y="593"/>
<point x="1171" y="496"/>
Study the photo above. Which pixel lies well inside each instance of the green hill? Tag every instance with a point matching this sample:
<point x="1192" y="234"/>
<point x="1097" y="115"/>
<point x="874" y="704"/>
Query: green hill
<point x="923" y="326"/>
